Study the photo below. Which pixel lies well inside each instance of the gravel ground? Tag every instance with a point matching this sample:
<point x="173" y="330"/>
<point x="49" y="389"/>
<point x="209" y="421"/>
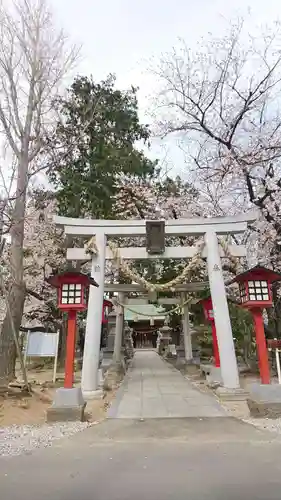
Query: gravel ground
<point x="22" y="439"/>
<point x="268" y="424"/>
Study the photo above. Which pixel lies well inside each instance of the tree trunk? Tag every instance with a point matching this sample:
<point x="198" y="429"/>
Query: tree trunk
<point x="17" y="289"/>
<point x="8" y="352"/>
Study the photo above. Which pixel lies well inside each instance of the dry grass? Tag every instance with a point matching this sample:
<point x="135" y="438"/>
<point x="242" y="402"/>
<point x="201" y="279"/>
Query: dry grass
<point x="20" y="408"/>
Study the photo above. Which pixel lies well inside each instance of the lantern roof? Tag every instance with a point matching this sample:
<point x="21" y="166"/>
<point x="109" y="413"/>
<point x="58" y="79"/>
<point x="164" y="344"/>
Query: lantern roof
<point x="257" y="272"/>
<point x="107" y="303"/>
<point x="165" y="329"/>
<point x="58" y="279"/>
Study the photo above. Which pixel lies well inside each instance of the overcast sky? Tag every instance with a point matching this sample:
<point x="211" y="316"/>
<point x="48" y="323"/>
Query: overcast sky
<point x="121" y="36"/>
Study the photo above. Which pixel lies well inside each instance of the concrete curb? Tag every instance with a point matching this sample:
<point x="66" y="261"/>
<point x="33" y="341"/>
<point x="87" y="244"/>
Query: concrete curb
<point x="113" y="409"/>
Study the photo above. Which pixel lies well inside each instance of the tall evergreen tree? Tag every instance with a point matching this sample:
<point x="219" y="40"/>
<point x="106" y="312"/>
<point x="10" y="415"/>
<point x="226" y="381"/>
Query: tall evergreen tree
<point x="93" y="148"/>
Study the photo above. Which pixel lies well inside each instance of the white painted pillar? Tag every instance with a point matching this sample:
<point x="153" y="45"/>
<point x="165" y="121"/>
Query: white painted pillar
<point x="186" y="331"/>
<point x="229" y="370"/>
<point x="119" y="329"/>
<point x="187" y="335"/>
<point x="90" y="379"/>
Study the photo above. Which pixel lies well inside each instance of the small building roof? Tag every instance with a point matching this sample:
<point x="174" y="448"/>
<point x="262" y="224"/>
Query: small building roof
<point x="144" y="312"/>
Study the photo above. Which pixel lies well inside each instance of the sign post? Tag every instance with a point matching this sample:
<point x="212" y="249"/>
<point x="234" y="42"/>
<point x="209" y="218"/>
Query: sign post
<point x="42" y="345"/>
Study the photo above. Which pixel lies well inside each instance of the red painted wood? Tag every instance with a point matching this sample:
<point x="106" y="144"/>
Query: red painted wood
<point x="261" y="346"/>
<point x="274" y="343"/>
<point x="216" y="352"/>
<point x="70" y="350"/>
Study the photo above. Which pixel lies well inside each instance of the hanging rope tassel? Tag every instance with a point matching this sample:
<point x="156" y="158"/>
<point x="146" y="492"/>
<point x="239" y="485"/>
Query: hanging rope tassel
<point x="91" y="247"/>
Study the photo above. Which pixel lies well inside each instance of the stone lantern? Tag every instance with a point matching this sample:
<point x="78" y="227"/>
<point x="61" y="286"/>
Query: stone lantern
<point x="164" y="338"/>
<point x="128" y="342"/>
<point x="256" y="295"/>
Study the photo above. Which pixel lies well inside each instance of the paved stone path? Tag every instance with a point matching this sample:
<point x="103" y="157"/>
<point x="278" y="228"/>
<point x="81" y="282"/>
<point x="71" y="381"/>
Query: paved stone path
<point x="153" y="459"/>
<point x="155" y="389"/>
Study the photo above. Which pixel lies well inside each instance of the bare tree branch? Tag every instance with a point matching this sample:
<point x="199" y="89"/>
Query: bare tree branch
<point x="223" y="101"/>
<point x="34" y="57"/>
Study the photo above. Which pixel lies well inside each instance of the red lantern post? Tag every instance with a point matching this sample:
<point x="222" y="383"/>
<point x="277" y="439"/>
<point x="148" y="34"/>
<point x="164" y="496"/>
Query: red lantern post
<point x="256" y="295"/>
<point x="70" y="350"/>
<point x="71" y="288"/>
<point x="107" y="306"/>
<point x="209" y="315"/>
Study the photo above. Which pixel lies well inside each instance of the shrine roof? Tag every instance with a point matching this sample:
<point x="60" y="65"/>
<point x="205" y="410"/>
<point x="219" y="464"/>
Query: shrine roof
<point x="144" y="312"/>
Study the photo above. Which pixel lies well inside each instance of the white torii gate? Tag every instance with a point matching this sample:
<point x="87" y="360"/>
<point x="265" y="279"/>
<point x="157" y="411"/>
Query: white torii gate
<point x="207" y="227"/>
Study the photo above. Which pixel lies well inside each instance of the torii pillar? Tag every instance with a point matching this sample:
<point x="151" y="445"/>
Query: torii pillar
<point x="187" y="342"/>
<point x="117" y="353"/>
<point x="91" y="358"/>
<point x="229" y="369"/>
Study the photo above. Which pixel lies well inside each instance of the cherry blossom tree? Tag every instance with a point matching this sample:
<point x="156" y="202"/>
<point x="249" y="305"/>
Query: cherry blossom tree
<point x="223" y="103"/>
<point x="43" y="251"/>
<point x="157" y="198"/>
<point x="34" y="57"/>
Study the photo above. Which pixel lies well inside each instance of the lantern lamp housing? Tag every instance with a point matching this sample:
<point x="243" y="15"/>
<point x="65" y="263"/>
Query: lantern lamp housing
<point x="208" y="308"/>
<point x="72" y="289"/>
<point x="255" y="287"/>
